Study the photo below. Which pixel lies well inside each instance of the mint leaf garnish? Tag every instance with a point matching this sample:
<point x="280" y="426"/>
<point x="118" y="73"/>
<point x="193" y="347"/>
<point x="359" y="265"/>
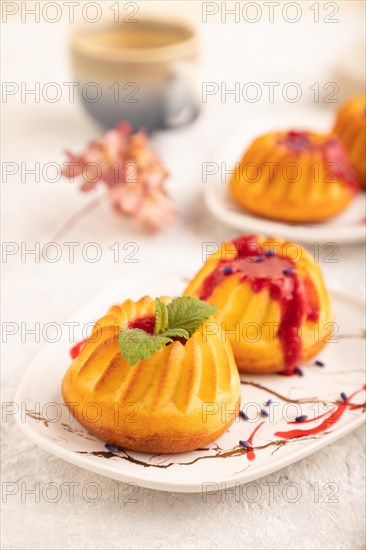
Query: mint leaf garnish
<point x="177" y="333"/>
<point x="188" y="313"/>
<point x="177" y="320"/>
<point x="161" y="323"/>
<point x="136" y="344"/>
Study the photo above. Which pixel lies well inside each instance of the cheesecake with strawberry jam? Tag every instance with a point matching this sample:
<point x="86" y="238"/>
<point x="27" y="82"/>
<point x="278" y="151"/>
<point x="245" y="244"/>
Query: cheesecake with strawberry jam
<point x="160" y="375"/>
<point x="272" y="302"/>
<point x="294" y="176"/>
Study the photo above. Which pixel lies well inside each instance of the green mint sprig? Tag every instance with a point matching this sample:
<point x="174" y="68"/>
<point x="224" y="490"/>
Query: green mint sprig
<point x="179" y="319"/>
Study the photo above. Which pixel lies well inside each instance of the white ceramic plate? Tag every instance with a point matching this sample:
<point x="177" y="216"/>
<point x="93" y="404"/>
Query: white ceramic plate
<point x="348" y="227"/>
<point x="44" y="418"/>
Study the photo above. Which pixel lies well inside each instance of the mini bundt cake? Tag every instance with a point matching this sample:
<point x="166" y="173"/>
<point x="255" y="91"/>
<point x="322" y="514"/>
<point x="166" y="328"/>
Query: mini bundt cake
<point x="179" y="398"/>
<point x="294" y="177"/>
<point x="271" y="300"/>
<point x="350" y="127"/>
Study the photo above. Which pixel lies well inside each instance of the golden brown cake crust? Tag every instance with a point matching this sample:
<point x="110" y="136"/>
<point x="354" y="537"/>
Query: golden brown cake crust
<point x="179" y="399"/>
<point x="243" y="309"/>
<point x="350" y="127"/>
<point x="158" y="442"/>
<point x="298" y="177"/>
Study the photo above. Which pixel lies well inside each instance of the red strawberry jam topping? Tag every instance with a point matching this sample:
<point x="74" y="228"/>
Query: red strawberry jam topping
<point x="336" y="164"/>
<point x="296" y="141"/>
<point x="76" y="349"/>
<point x="146" y="323"/>
<point x="264" y="269"/>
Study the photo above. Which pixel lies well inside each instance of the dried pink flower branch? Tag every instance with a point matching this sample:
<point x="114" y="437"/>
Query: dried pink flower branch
<point x="132" y="172"/>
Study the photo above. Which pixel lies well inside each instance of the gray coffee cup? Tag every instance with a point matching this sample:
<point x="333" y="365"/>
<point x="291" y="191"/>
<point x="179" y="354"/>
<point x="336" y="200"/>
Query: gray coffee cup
<point x="145" y="73"/>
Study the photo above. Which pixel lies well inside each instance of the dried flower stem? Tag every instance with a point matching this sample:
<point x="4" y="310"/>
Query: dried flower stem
<point x="78" y="216"/>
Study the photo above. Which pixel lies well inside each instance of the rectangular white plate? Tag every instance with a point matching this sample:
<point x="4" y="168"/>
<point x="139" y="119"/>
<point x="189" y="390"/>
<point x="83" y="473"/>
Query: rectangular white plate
<point x="45" y="419"/>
